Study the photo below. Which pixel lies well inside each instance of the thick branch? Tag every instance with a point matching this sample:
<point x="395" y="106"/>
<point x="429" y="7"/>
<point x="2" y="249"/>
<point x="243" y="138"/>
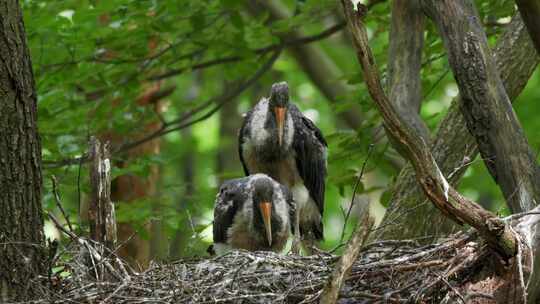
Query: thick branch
<point x="485" y="104"/>
<point x="530" y="11"/>
<point x="410" y="214"/>
<point x="428" y="174"/>
<point x="330" y="293"/>
<point x="405" y="62"/>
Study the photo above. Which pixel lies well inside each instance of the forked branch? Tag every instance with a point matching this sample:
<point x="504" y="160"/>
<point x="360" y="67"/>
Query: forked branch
<point x="485" y="103"/>
<point x="428" y="174"/>
<point x="453" y="147"/>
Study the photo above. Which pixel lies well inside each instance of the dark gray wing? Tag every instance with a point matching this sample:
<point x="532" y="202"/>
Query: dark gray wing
<point x="310" y="148"/>
<point x="244" y="132"/>
<point x="229" y="200"/>
<point x="292" y="205"/>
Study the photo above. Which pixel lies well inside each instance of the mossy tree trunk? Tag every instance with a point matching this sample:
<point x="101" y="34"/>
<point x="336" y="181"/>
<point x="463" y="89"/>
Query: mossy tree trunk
<point x="21" y="219"/>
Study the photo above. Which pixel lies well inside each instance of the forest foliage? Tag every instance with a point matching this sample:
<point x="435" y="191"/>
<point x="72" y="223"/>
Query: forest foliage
<point x="96" y="61"/>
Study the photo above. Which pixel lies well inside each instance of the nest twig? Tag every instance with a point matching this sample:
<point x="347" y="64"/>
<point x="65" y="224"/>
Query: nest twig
<point x="393" y="272"/>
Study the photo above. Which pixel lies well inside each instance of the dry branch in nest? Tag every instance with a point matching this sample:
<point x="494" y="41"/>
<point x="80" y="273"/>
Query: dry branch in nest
<point x="388" y="271"/>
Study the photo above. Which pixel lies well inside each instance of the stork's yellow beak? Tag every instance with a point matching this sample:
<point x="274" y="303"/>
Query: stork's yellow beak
<point x="266" y="211"/>
<point x="280" y="119"/>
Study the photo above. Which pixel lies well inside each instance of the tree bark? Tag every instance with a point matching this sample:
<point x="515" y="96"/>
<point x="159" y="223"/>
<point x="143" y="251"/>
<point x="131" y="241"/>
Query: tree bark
<point x="21" y="219"/>
<point x="101" y="213"/>
<point x="410" y="214"/>
<point x="405" y="62"/>
<point x="486" y="105"/>
<point x="496" y="232"/>
<point x="530" y="11"/>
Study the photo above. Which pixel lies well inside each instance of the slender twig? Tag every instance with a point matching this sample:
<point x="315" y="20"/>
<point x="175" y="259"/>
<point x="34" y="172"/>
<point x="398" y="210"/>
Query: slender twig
<point x="261" y="51"/>
<point x="58" y="203"/>
<point x="355" y="189"/>
<point x="522" y="214"/>
<point x="79" y="191"/>
<point x="186" y="120"/>
<point x="437" y="82"/>
<point x="60" y="227"/>
<point x="382" y="272"/>
<point x="222" y="100"/>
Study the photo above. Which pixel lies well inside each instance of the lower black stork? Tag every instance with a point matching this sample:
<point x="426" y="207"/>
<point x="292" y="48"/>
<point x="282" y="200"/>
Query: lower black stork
<point x="252" y="213"/>
<point x="278" y="140"/>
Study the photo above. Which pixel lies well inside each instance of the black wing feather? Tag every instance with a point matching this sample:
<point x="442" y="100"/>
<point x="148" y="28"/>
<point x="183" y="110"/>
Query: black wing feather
<point x="292" y="206"/>
<point x="241" y="135"/>
<point x="310" y="147"/>
<point x="228" y="202"/>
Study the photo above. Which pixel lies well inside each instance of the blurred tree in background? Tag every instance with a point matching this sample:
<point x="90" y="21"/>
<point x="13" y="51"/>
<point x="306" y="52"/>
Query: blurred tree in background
<point x="180" y="74"/>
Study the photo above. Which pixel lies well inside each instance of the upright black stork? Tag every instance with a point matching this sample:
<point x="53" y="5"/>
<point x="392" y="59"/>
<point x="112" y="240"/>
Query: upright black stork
<point x="252" y="213"/>
<point x="278" y="140"/>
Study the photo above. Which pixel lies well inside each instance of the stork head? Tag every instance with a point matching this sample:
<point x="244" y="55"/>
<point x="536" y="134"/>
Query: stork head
<point x="263" y="191"/>
<point x="279" y="102"/>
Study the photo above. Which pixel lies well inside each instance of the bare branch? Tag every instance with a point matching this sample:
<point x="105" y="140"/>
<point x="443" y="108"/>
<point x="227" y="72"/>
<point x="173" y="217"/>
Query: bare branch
<point x="285" y="43"/>
<point x="485" y="104"/>
<point x="428" y="174"/>
<point x="410" y="214"/>
<point x="355" y="189"/>
<point x="186" y="120"/>
<point x="330" y="292"/>
<point x="59" y="203"/>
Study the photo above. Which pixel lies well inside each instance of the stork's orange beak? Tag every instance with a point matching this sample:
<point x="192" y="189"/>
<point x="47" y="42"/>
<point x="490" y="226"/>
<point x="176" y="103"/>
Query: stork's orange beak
<point x="266" y="211"/>
<point x="280" y="119"/>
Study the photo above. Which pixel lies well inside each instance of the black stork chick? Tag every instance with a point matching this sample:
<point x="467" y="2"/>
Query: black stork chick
<point x="278" y="140"/>
<point x="252" y="213"/>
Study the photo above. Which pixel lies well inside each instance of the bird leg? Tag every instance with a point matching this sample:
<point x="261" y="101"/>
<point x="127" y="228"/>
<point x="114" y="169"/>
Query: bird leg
<point x="297" y="240"/>
<point x="308" y="244"/>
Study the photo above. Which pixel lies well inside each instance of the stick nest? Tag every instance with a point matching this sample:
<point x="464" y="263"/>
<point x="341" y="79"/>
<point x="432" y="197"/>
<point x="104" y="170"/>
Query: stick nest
<point x="389" y="272"/>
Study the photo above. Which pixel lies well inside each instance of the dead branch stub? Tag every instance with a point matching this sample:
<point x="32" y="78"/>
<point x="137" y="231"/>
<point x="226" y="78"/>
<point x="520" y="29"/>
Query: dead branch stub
<point x="101" y="210"/>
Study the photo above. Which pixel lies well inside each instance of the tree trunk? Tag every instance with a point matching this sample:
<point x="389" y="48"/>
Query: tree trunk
<point x="405" y="62"/>
<point x="410" y="213"/>
<point x="530" y="11"/>
<point x="21" y="219"/>
<point x="497" y="233"/>
<point x="486" y="105"/>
